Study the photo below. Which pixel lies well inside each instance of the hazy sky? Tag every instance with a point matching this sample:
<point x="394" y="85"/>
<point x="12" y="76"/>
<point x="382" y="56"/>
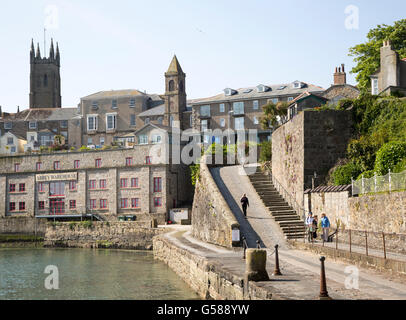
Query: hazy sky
<point x="129" y="44"/>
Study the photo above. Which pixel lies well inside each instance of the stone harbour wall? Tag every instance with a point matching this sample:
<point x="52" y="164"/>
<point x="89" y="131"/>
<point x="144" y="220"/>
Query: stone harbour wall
<point x="208" y="279"/>
<point x="212" y="218"/>
<point x="117" y="235"/>
<point x="23" y="225"/>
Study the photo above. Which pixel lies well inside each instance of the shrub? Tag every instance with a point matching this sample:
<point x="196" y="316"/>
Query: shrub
<point x="342" y="174"/>
<point x="266" y="151"/>
<point x="389" y="156"/>
<point x="366" y="174"/>
<point x="194" y="173"/>
<point x="400" y="167"/>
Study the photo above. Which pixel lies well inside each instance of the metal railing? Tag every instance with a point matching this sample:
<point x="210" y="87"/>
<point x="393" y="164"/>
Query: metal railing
<point x="289" y="198"/>
<point x="387" y="183"/>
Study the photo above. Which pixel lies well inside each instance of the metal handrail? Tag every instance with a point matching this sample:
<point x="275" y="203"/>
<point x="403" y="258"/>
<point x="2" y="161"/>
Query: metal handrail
<point x="286" y="194"/>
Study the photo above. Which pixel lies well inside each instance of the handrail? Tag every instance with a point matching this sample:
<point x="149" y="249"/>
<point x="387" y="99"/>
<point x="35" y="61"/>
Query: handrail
<point x="291" y="200"/>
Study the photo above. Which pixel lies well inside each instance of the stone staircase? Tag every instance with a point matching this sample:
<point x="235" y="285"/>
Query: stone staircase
<point x="291" y="224"/>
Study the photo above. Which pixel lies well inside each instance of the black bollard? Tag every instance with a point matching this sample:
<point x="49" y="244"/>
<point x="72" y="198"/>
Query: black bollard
<point x="323" y="285"/>
<point x="244" y="247"/>
<point x="277" y="271"/>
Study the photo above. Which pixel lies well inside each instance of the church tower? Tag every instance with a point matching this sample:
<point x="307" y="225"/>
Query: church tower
<point x="175" y="95"/>
<point x="45" y="80"/>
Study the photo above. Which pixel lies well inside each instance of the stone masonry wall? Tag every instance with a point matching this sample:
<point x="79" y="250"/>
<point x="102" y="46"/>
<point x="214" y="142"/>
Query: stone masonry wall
<point x="311" y="142"/>
<point x="117" y="235"/>
<point x="212" y="218"/>
<point x="23" y="225"/>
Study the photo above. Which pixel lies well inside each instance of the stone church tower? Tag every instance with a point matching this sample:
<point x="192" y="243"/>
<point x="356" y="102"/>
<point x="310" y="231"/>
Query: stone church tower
<point x="45" y="80"/>
<point x="175" y="95"/>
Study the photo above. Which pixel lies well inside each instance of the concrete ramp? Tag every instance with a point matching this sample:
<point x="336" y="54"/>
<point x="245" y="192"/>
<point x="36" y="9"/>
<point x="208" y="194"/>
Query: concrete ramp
<point x="233" y="182"/>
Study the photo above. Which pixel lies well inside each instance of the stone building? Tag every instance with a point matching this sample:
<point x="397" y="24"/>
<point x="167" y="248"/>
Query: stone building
<point x="241" y="109"/>
<point x="107" y="183"/>
<point x="12" y="143"/>
<point x="45" y="79"/>
<point x="391" y="75"/>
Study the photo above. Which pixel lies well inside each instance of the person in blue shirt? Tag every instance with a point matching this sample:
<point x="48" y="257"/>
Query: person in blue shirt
<point x="325" y="225"/>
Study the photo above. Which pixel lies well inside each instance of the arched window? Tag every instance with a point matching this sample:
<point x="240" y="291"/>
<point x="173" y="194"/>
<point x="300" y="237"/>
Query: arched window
<point x="181" y="86"/>
<point x="171" y="85"/>
<point x="45" y="80"/>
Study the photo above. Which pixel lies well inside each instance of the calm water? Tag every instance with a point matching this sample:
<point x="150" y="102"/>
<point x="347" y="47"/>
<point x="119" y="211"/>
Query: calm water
<point x="88" y="274"/>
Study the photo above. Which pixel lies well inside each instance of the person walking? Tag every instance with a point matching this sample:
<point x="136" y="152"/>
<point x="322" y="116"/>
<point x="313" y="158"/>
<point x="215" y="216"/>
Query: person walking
<point x="309" y="225"/>
<point x="315" y="225"/>
<point x="245" y="204"/>
<point x="325" y="225"/>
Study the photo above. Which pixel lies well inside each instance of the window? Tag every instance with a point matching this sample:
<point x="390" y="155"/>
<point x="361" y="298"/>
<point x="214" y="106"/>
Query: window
<point x="21" y="206"/>
<point x="98" y="163"/>
<point x="76" y="164"/>
<point x="124" y="203"/>
<point x="290" y="99"/>
<point x="10" y="141"/>
<point x="16" y="167"/>
<point x="160" y="120"/>
<point x="38" y="166"/>
<point x="91" y="122"/>
<point x="111" y="120"/>
<point x="22" y="187"/>
<point x="129" y="162"/>
<point x="95" y="105"/>
<point x="114" y="104"/>
<point x="103" y="184"/>
<point x="132" y="103"/>
<point x="147" y="120"/>
<point x="255" y="120"/>
<point x="103" y="204"/>
<point x="134" y="183"/>
<point x="13" y="150"/>
<point x="92" y="203"/>
<point x="222" y="107"/>
<point x="157" y="184"/>
<point x="239" y="123"/>
<point x="45" y="80"/>
<point x="102" y="141"/>
<point x="57" y="188"/>
<point x="57" y="165"/>
<point x="204" y="125"/>
<point x="132" y="120"/>
<point x="89" y="141"/>
<point x="8" y="125"/>
<point x="191" y="121"/>
<point x="123" y="183"/>
<point x="171" y="85"/>
<point x="32" y="125"/>
<point x="143" y="139"/>
<point x="12" y="206"/>
<point x="32" y="138"/>
<point x="205" y="111"/>
<point x="275" y="100"/>
<point x="41" y="205"/>
<point x="156" y="138"/>
<point x="12" y="188"/>
<point x="135" y="203"/>
<point x="72" y="185"/>
<point x="64" y="124"/>
<point x="297" y="84"/>
<point x="92" y="184"/>
<point x="72" y="204"/>
<point x="375" y="86"/>
<point x="40" y="187"/>
<point x="222" y="122"/>
<point x="171" y="121"/>
<point x="255" y="104"/>
<point x="238" y="108"/>
<point x="157" y="202"/>
<point x="147" y="160"/>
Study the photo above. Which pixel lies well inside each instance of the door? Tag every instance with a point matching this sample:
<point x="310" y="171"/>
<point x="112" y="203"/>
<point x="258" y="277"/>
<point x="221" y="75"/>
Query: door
<point x="56" y="206"/>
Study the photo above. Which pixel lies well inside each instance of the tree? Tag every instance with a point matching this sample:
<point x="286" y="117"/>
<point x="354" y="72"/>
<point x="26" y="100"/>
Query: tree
<point x="367" y="55"/>
<point x="274" y="115"/>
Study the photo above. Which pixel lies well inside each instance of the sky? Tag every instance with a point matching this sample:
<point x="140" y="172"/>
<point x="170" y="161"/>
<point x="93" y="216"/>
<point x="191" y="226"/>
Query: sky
<point x="111" y="45"/>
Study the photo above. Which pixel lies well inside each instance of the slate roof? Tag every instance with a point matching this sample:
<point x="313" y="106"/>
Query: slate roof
<point x="174" y="67"/>
<point x="114" y="94"/>
<point x="41" y="114"/>
<point x="251" y="93"/>
<point x="305" y="95"/>
<point x="321" y="189"/>
<point x="156" y="111"/>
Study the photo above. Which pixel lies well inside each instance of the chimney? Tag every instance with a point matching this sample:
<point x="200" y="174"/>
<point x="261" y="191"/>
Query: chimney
<point x="340" y="77"/>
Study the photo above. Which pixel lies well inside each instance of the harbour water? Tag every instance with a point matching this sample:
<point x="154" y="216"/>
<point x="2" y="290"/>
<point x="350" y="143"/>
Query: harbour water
<point x="86" y="274"/>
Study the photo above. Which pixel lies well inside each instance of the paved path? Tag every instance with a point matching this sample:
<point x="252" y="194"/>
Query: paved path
<point x="233" y="183"/>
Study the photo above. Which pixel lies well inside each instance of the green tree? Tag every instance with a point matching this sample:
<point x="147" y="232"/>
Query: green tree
<point x="367" y="55"/>
<point x="274" y="115"/>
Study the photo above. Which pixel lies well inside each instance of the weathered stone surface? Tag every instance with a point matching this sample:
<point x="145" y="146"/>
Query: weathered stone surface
<point x="212" y="218"/>
<point x="256" y="265"/>
<point x="22" y="225"/>
<point x="123" y="235"/>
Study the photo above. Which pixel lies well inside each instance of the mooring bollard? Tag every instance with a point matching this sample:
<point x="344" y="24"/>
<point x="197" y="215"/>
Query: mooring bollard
<point x="323" y="285"/>
<point x="277" y="271"/>
<point x="256" y="265"/>
<point x="244" y="245"/>
<point x="384" y="245"/>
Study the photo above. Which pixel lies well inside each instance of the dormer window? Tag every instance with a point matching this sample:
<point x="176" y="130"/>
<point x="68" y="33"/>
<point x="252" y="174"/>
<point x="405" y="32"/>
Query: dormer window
<point x="281" y="87"/>
<point x="297" y="85"/>
<point x="261" y="88"/>
<point x="229" y="91"/>
<point x="32" y="125"/>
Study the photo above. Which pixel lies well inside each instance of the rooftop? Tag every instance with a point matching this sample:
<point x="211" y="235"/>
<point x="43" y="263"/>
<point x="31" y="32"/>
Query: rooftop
<point x="114" y="94"/>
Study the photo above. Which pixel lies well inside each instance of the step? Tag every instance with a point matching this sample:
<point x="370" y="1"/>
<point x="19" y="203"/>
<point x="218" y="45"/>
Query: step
<point x="287" y="218"/>
<point x="279" y="208"/>
<point x="291" y="223"/>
